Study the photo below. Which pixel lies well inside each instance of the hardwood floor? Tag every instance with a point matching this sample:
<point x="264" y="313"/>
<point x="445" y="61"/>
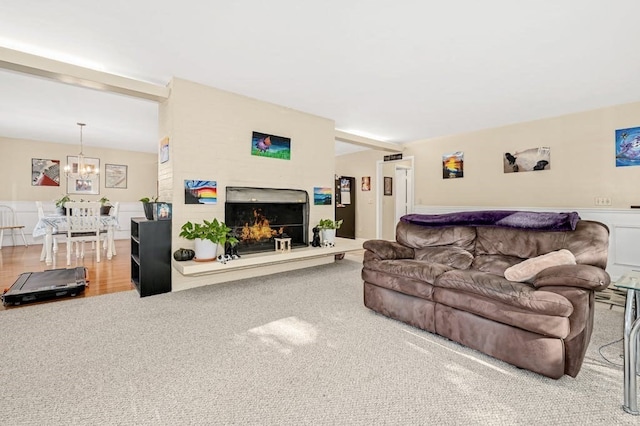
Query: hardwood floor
<point x="108" y="276"/>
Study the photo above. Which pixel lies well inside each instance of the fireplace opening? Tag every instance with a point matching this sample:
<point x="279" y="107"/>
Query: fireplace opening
<point x="257" y="216"/>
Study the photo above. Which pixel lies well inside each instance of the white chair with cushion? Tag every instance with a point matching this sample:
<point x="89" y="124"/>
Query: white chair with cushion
<point x="8" y="222"/>
<point x="83" y="224"/>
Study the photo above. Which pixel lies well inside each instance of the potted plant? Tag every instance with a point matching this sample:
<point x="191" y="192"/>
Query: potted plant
<point x="105" y="206"/>
<point x="207" y="236"/>
<point x="328" y="229"/>
<point x="147" y="205"/>
<point x="60" y="204"/>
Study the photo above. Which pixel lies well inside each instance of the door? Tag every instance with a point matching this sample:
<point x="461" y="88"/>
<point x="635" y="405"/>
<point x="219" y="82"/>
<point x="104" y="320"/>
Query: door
<point x="346" y="206"/>
<point x="403" y="184"/>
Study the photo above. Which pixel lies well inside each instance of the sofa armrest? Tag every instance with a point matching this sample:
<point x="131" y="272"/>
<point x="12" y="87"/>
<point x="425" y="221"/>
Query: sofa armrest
<point x="388" y="250"/>
<point x="583" y="276"/>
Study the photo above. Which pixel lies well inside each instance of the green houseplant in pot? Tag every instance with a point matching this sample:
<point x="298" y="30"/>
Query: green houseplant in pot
<point x="207" y="236"/>
<point x="60" y="202"/>
<point x="147" y="205"/>
<point x="105" y="206"/>
<point x="328" y="229"/>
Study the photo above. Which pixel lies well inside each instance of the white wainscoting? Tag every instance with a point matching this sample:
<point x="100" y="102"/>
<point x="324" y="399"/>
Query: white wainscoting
<point x="624" y="229"/>
<point x="27" y="215"/>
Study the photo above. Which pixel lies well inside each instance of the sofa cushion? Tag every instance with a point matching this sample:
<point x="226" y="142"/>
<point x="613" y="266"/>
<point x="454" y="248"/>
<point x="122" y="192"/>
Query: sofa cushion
<point x="388" y="249"/>
<point x="528" y="269"/>
<point x="416" y="236"/>
<point x="519" y="295"/>
<point x="583" y="276"/>
<point x="452" y="256"/>
<point x="409" y="268"/>
<point x="505" y="313"/>
<point x="494" y="263"/>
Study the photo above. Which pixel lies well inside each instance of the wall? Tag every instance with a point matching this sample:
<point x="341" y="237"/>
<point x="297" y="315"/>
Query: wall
<point x="210" y="139"/>
<point x="17" y="192"/>
<point x="15" y="173"/>
<point x="582" y="165"/>
<point x="363" y="164"/>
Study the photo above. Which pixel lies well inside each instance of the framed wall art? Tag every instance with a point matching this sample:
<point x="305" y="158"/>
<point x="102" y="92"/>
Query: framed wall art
<point x="271" y="146"/>
<point x="77" y="184"/>
<point x="453" y="165"/>
<point x="388" y="185"/>
<point x="115" y="176"/>
<point x="164" y="150"/>
<point x="200" y="192"/>
<point x="45" y="172"/>
<point x="322" y="196"/>
<point x="366" y="183"/>
<point x="628" y="147"/>
<point x="528" y="160"/>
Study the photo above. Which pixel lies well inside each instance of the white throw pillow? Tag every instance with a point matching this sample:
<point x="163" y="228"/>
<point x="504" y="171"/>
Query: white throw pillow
<point x="528" y="269"/>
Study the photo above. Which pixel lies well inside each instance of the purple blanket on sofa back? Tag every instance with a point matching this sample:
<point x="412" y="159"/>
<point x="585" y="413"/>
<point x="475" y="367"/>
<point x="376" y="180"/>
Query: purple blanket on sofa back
<point x="541" y="221"/>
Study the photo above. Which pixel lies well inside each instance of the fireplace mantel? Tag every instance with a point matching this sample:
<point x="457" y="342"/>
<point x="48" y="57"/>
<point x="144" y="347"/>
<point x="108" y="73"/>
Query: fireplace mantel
<point x="259" y="264"/>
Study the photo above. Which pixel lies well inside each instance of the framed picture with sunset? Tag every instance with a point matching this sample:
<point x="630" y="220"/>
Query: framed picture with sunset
<point x="200" y="192"/>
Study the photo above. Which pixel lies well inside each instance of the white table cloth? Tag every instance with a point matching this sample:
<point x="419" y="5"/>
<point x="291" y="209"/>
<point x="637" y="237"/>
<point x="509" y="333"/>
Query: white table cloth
<point x="51" y="224"/>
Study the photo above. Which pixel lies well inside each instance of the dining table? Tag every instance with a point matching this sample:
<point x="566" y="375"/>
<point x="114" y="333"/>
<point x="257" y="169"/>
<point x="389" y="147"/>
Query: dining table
<point x="49" y="225"/>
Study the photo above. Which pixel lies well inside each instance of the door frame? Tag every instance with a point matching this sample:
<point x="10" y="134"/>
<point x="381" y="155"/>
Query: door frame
<point x="380" y="189"/>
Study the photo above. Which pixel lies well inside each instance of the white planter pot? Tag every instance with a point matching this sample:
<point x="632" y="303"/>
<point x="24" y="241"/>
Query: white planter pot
<point x="205" y="250"/>
<point x="328" y="236"/>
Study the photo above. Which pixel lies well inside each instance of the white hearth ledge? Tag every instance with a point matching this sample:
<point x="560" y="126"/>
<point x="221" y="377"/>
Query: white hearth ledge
<point x="264" y="263"/>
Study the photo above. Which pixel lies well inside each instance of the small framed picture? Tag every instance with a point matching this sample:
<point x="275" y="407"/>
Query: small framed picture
<point x="161" y="211"/>
<point x="115" y="176"/>
<point x="388" y="185"/>
<point x="76" y="184"/>
<point x="366" y="183"/>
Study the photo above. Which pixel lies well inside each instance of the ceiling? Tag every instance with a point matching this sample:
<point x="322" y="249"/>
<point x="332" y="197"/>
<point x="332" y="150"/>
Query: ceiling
<point x="393" y="71"/>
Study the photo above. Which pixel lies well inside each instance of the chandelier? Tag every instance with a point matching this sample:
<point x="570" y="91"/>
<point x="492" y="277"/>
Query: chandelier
<point x="81" y="169"/>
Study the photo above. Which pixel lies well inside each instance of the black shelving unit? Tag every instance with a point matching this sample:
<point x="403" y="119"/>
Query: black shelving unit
<point x="151" y="256"/>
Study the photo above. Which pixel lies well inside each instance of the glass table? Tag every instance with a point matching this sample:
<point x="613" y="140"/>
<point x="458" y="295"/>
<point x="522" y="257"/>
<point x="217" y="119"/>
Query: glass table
<point x="631" y="282"/>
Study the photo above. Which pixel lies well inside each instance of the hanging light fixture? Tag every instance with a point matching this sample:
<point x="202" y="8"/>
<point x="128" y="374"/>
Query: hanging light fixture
<point x="84" y="170"/>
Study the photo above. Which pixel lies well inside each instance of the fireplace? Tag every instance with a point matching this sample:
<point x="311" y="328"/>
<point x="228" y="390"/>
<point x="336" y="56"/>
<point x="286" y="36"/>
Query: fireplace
<point x="257" y="216"/>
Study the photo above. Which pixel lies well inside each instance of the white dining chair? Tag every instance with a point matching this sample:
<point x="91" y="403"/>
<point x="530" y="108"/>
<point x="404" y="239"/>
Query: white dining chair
<point x="83" y="224"/>
<point x="55" y="237"/>
<point x="9" y="222"/>
<point x="115" y="210"/>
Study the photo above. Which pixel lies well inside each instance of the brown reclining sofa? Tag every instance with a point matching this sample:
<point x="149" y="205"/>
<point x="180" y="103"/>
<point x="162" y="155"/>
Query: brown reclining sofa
<point x="446" y="274"/>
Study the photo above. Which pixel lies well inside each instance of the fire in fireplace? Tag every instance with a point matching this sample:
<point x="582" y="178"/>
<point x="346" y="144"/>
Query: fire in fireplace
<point x="258" y="215"/>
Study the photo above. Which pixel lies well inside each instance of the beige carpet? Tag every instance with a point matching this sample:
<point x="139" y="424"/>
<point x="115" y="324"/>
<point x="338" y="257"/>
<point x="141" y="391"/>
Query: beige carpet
<point x="289" y="349"/>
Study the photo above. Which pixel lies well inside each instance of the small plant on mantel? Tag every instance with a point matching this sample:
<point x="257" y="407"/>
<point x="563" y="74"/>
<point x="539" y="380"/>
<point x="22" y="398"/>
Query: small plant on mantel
<point x="329" y="224"/>
<point x="214" y="231"/>
<point x="328" y="229"/>
<point x="208" y="235"/>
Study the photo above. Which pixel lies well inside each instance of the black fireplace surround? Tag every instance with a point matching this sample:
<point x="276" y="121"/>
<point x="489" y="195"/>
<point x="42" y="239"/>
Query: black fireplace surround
<point x="257" y="216"/>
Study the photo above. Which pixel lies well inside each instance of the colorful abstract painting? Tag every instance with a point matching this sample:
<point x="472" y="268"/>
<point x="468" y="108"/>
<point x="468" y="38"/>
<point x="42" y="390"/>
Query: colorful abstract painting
<point x="322" y="196"/>
<point x="271" y="146"/>
<point x="200" y="192"/>
<point x="628" y="147"/>
<point x="453" y="165"/>
<point x="45" y="172"/>
<point x="529" y="160"/>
